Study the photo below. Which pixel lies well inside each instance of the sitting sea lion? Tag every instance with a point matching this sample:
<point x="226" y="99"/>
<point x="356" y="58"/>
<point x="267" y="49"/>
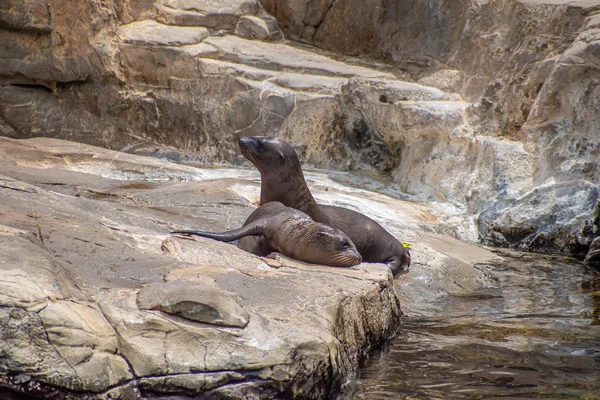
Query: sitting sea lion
<point x="282" y="180"/>
<point x="292" y="233"/>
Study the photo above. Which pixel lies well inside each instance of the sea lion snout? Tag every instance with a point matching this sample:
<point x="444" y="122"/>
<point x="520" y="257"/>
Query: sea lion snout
<point x="400" y="263"/>
<point x="246" y="141"/>
<point x="336" y="248"/>
<point x="267" y="151"/>
<point x="255" y="144"/>
<point x="349" y="258"/>
<point x="247" y="145"/>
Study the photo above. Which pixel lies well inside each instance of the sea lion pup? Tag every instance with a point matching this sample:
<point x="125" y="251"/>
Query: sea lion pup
<point x="293" y="233"/>
<point x="282" y="180"/>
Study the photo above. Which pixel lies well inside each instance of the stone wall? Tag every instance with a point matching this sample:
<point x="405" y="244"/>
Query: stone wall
<point x="489" y="105"/>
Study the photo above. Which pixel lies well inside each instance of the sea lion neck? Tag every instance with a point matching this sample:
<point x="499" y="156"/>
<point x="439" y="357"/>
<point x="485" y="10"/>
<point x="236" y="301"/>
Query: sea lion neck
<point x="288" y="186"/>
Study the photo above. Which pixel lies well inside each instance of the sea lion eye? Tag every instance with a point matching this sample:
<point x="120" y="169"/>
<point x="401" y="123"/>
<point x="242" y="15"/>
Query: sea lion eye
<point x="344" y="243"/>
<point x="260" y="145"/>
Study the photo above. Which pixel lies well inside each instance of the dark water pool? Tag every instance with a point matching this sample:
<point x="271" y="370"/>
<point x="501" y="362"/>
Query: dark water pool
<point x="534" y="333"/>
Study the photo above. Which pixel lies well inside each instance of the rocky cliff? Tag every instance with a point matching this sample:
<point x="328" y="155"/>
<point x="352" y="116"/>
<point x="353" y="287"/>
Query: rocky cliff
<point x="486" y="108"/>
<point x="489" y="105"/>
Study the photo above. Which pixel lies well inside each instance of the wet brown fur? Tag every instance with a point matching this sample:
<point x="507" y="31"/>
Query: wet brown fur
<point x="282" y="180"/>
<point x="274" y="227"/>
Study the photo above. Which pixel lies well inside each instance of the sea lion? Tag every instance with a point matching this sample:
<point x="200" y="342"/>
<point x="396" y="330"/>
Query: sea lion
<point x="292" y="233"/>
<point x="282" y="180"/>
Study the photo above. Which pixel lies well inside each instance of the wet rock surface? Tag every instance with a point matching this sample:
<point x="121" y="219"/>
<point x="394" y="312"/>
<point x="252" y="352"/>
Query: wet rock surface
<point x="98" y="299"/>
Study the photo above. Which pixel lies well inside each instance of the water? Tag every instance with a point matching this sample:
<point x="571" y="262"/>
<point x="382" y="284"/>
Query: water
<point x="533" y="333"/>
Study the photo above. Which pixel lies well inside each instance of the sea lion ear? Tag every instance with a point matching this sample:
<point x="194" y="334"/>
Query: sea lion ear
<point x="325" y="234"/>
<point x="281" y="156"/>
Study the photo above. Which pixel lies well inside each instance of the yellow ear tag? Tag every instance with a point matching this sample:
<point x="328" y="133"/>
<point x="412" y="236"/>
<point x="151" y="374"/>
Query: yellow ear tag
<point x="406" y="245"/>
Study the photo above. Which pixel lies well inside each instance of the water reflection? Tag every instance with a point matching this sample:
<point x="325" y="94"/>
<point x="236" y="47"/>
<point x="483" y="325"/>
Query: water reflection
<point x="532" y="334"/>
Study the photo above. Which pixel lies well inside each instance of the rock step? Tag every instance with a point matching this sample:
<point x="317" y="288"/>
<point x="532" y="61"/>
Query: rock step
<point x="149" y="32"/>
<point x="278" y="63"/>
<point x="380" y="90"/>
<point x="170" y="16"/>
<point x="281" y="57"/>
<point x="213" y="7"/>
<point x="223" y="15"/>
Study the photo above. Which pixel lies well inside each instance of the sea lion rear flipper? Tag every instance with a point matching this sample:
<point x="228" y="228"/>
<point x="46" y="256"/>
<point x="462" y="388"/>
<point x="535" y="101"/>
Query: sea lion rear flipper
<point x="255" y="228"/>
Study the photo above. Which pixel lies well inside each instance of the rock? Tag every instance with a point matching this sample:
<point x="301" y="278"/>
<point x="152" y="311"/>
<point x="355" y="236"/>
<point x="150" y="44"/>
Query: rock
<point x="38" y="278"/>
<point x="26" y="350"/>
<point x="262" y="28"/>
<point x="535" y="93"/>
<point x="236" y="7"/>
<point x="216" y="14"/>
<point x="40" y="43"/>
<point x="27" y="15"/>
<point x="276" y="56"/>
<point x="445" y="79"/>
<point x="544" y="220"/>
<point x="194" y="301"/>
<point x="80" y="246"/>
<point x="187" y="383"/>
<point x="87" y="342"/>
<point x="171" y="16"/>
<point x="251" y="26"/>
<point x="153" y="33"/>
<point x="505" y="94"/>
<point x="273" y="26"/>
<point x="593" y="256"/>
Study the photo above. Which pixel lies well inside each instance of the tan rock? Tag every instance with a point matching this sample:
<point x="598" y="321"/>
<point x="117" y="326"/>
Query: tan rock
<point x="279" y="56"/>
<point x="252" y="27"/>
<point x="194" y="301"/>
<point x="76" y="214"/>
<point x="28" y="15"/>
<point x="150" y="32"/>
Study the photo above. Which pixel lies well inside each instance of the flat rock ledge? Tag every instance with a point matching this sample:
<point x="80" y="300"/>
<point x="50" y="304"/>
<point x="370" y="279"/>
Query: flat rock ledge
<point x="99" y="301"/>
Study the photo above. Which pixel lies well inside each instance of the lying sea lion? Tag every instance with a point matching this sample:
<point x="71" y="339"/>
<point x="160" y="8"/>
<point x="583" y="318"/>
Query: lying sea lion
<point x="282" y="180"/>
<point x="292" y="233"/>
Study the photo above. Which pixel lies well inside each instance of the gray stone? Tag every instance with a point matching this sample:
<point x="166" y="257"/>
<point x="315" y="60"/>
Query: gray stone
<point x="150" y="32"/>
<point x="40" y="46"/>
<point x="546" y="220"/>
<point x="194" y="301"/>
<point x="170" y="16"/>
<point x="251" y="26"/>
<point x="216" y="14"/>
<point x="196" y="383"/>
<point x="278" y="56"/>
<point x="237" y="7"/>
<point x="272" y="26"/>
<point x="28" y="15"/>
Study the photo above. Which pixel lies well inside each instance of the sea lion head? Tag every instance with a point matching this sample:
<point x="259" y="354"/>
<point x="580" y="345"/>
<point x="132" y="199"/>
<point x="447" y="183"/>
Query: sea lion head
<point x="330" y="246"/>
<point x="267" y="151"/>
